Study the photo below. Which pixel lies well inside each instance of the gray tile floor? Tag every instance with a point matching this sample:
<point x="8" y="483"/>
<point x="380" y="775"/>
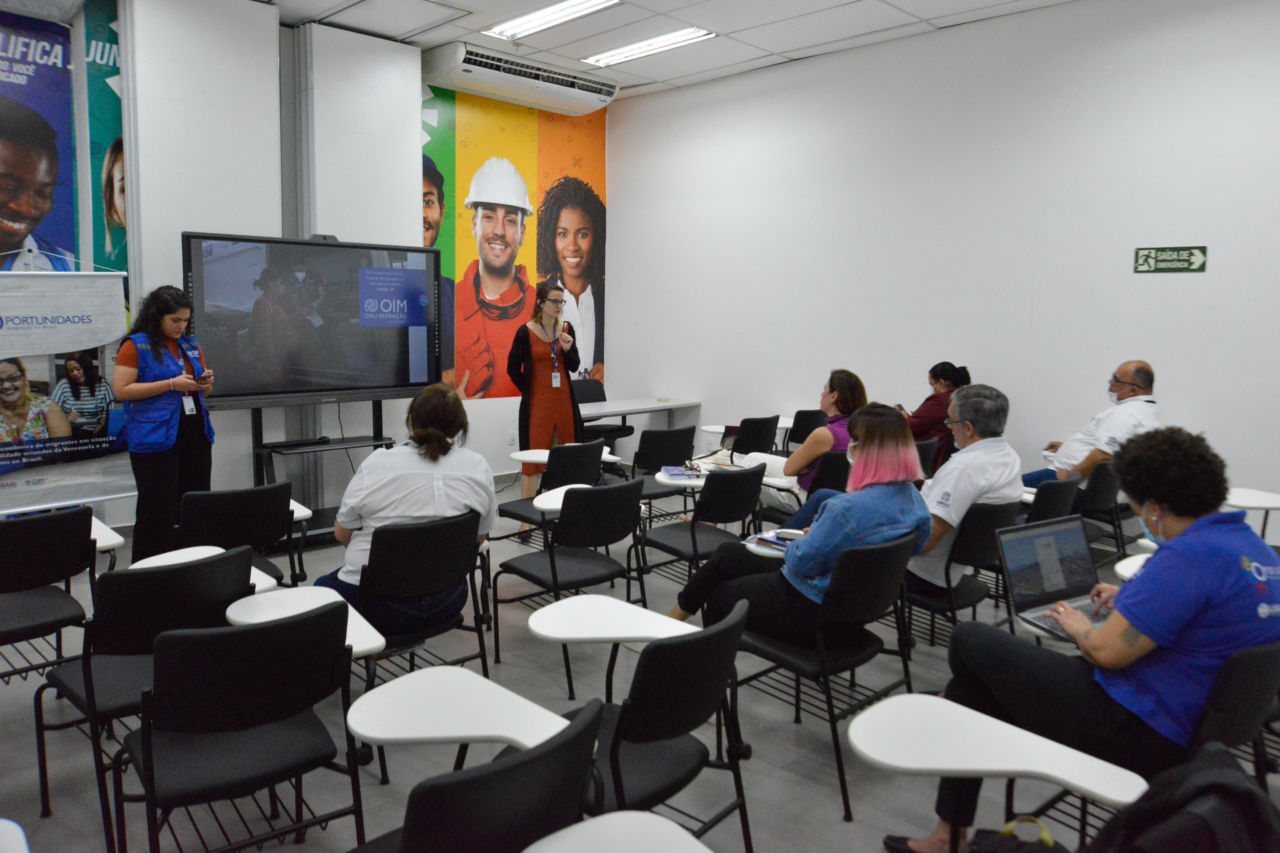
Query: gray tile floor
<point x="792" y="793"/>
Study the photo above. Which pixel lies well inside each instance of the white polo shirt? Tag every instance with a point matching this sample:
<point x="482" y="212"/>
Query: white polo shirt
<point x="1108" y="430"/>
<point x="398" y="484"/>
<point x="986" y="472"/>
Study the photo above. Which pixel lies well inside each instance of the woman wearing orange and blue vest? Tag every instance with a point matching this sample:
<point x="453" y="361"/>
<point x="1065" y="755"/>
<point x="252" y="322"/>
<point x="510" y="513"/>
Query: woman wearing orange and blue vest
<point x="161" y="375"/>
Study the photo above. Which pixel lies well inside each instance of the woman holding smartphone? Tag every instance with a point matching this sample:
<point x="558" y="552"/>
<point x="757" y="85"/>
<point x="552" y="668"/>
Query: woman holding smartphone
<point x="160" y="375"/>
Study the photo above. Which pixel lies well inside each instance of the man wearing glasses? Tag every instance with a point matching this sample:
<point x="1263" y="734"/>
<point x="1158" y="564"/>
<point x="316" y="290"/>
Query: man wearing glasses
<point x="983" y="470"/>
<point x="1133" y="410"/>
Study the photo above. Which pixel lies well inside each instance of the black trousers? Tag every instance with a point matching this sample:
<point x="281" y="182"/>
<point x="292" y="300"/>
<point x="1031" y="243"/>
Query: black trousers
<point x="775" y="607"/>
<point x="1048" y="693"/>
<point x="162" y="479"/>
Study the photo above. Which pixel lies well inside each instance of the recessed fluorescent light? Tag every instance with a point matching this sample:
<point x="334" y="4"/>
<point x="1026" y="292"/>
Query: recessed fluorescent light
<point x="648" y="47"/>
<point x="526" y="25"/>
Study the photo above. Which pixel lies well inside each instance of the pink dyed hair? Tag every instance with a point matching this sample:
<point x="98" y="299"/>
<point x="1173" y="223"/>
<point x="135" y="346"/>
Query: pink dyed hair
<point x="886" y="451"/>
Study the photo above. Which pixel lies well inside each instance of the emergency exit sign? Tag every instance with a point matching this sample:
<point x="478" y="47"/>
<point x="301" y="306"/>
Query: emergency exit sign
<point x="1171" y="259"/>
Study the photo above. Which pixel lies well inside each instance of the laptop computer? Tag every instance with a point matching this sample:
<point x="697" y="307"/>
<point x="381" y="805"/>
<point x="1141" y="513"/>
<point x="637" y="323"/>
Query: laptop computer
<point x="1046" y="562"/>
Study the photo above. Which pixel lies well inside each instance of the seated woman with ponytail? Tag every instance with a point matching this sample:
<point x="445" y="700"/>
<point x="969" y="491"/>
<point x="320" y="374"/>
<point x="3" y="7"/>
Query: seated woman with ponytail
<point x="424" y="478"/>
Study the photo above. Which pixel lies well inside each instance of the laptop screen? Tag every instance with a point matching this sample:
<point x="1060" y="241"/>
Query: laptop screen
<point x="1046" y="561"/>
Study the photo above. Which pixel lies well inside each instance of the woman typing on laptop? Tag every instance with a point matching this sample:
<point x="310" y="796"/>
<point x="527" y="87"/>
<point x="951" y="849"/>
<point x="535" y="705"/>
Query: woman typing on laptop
<point x="1135" y="695"/>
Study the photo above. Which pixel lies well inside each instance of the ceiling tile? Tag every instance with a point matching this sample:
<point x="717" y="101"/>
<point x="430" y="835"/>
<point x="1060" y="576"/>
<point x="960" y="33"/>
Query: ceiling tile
<point x="728" y="70"/>
<point x="294" y="13"/>
<point x="485" y="14"/>
<point x="587" y="26"/>
<point x="440" y="35"/>
<point x="996" y="11"/>
<point x="646" y="28"/>
<point x="393" y="18"/>
<point x="728" y="16"/>
<point x="632" y="91"/>
<point x="853" y="19"/>
<point x="890" y="34"/>
<point x="938" y="8"/>
<point x="693" y="58"/>
<point x="663" y="5"/>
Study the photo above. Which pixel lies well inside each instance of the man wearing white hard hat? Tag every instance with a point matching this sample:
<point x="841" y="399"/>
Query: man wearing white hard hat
<point x="493" y="297"/>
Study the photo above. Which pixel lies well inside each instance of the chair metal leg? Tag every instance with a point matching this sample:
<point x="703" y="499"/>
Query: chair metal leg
<point x="835" y="745"/>
<point x="497" y="642"/>
<point x="568" y="670"/>
<point x="383" y="778"/>
<point x="796" y="701"/>
<point x="461" y="758"/>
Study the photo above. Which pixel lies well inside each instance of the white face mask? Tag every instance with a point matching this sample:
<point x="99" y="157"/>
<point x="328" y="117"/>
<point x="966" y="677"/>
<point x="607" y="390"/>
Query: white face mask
<point x="1113" y="397"/>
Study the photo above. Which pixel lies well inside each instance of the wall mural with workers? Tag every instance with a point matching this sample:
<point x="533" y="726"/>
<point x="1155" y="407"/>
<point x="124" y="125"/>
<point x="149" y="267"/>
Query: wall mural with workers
<point x="511" y="196"/>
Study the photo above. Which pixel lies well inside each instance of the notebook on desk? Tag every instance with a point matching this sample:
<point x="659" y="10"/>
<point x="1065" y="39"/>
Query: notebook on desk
<point x="1047" y="562"/>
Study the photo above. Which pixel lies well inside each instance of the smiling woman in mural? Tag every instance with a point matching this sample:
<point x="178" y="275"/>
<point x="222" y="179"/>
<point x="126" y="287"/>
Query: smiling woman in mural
<point x="571" y="232"/>
<point x="26" y="417"/>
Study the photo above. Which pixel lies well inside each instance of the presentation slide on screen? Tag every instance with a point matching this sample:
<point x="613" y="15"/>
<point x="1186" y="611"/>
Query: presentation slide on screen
<point x="277" y="318"/>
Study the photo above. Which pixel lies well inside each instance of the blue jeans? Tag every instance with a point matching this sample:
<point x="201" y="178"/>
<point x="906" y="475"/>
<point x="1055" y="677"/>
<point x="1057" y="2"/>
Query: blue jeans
<point x="391" y="616"/>
<point x="1032" y="479"/>
<point x="804" y="515"/>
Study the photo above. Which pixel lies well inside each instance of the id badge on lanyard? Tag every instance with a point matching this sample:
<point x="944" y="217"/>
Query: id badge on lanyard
<point x="555" y="359"/>
<point x="188" y="404"/>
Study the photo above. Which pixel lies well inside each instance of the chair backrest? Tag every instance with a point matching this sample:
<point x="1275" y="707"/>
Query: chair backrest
<point x="729" y="496"/>
<point x="509" y="803"/>
<point x="588" y="390"/>
<point x="258" y="517"/>
<point x="45" y="548"/>
<point x="131" y="608"/>
<point x="238" y="677"/>
<point x="805" y="422"/>
<point x="598" y="516"/>
<point x="867" y="580"/>
<point x="975" y="543"/>
<point x="927" y="449"/>
<point x="660" y="447"/>
<point x="832" y="472"/>
<point x="679" y="682"/>
<point x="1099" y="494"/>
<point x="1054" y="499"/>
<point x="1243" y="696"/>
<point x="755" y="435"/>
<point x="573" y="463"/>
<point x="420" y="558"/>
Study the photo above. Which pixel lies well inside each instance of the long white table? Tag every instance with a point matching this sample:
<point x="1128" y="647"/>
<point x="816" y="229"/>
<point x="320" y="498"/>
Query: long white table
<point x="678" y="411"/>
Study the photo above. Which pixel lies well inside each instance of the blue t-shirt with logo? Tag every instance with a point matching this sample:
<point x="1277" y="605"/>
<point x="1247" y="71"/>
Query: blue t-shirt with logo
<point x="1209" y="592"/>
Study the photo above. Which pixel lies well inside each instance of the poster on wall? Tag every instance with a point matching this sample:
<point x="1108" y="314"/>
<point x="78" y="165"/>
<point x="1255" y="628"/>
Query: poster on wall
<point x="513" y="196"/>
<point x="60" y="426"/>
<point x="56" y="406"/>
<point x="37" y="165"/>
<point x="105" y="147"/>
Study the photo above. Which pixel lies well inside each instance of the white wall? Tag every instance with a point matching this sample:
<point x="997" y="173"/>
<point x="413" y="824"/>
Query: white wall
<point x="972" y="195"/>
<point x="201" y="106"/>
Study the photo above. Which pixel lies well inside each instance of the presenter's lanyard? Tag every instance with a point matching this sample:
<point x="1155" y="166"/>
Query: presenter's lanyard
<point x="555" y="355"/>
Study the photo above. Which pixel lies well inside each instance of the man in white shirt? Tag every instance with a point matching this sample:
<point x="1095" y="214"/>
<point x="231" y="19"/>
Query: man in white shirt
<point x="983" y="470"/>
<point x="1133" y="410"/>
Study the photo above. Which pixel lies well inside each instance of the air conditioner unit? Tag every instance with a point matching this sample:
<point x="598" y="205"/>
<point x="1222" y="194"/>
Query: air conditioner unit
<point x="520" y="81"/>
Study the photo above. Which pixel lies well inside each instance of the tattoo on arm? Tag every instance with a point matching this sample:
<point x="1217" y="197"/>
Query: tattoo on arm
<point x="1130" y="636"/>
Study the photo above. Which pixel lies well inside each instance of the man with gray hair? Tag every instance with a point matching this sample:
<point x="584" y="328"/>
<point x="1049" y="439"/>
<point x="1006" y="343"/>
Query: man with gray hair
<point x="983" y="470"/>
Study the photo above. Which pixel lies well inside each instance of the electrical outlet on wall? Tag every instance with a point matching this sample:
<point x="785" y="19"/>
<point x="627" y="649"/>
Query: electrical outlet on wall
<point x="511" y="438"/>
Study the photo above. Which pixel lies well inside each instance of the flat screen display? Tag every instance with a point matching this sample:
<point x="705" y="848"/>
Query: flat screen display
<point x="291" y="322"/>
